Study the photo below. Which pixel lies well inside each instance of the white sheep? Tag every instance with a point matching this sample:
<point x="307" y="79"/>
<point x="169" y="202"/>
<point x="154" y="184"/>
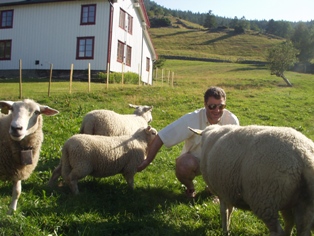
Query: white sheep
<point x="21" y="137"/>
<point x="264" y="169"/>
<point x="102" y="156"/>
<point x="110" y="123"/>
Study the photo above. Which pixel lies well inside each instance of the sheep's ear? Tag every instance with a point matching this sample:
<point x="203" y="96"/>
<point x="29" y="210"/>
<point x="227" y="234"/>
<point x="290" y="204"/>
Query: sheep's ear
<point x="6" y="106"/>
<point x="48" y="111"/>
<point x="196" y="131"/>
<point x="149" y="108"/>
<point x="133" y="106"/>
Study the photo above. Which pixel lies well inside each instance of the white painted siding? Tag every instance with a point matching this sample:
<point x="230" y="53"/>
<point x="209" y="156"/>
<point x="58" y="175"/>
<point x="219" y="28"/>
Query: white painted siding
<point x="48" y="33"/>
<point x="136" y="40"/>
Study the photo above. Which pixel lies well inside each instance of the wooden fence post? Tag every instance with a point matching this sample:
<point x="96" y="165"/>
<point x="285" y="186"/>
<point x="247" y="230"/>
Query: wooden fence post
<point x="71" y="77"/>
<point x="50" y="78"/>
<point x="122" y="77"/>
<point x="139" y="74"/>
<point x="88" y="77"/>
<point x="20" y="68"/>
<point x="108" y="74"/>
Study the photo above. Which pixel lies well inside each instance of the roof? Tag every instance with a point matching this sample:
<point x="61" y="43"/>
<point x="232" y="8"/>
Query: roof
<point x="24" y="2"/>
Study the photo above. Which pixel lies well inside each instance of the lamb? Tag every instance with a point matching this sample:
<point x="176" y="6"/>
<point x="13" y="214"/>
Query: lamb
<point x="110" y="123"/>
<point x="21" y="137"/>
<point x="263" y="169"/>
<point x="102" y="156"/>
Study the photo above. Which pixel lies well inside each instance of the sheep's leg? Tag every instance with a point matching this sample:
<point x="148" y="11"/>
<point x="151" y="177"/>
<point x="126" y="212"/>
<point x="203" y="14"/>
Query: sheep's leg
<point x="270" y="218"/>
<point x="287" y="216"/>
<point x="225" y="212"/>
<point x="74" y="176"/>
<point x="129" y="177"/>
<point x="55" y="175"/>
<point x="16" y="192"/>
<point x="304" y="218"/>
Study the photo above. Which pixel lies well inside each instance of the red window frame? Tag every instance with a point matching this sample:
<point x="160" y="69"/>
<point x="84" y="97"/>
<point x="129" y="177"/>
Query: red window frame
<point x="147" y="63"/>
<point x="122" y="19"/>
<point x="120" y="51"/>
<point x="88" y="14"/>
<point x="85" y="47"/>
<point x="5" y="50"/>
<point x="128" y="55"/>
<point x="6" y="19"/>
<point x="130" y="24"/>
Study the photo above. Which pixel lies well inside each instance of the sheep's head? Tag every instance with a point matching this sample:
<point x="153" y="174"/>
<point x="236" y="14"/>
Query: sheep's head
<point x="144" y="111"/>
<point x="151" y="133"/>
<point x="25" y="115"/>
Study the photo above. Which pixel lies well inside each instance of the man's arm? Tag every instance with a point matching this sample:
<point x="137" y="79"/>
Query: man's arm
<point x="152" y="152"/>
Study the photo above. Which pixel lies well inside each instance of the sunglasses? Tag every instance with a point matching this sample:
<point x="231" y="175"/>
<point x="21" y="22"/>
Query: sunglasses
<point x="214" y="106"/>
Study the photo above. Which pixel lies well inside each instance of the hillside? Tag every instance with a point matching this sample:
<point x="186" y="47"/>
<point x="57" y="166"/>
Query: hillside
<point x="186" y="39"/>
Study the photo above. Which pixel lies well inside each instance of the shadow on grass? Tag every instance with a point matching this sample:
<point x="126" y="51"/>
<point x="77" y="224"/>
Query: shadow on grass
<point x="176" y="33"/>
<point x="118" y="209"/>
<point x="251" y="68"/>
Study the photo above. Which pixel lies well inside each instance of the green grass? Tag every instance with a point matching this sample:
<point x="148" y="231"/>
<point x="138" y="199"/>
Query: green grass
<point x="223" y="45"/>
<point x="157" y="206"/>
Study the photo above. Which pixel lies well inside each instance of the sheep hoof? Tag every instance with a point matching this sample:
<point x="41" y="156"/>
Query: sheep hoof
<point x="10" y="211"/>
<point x="190" y="193"/>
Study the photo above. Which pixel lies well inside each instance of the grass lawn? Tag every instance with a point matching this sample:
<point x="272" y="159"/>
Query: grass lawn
<point x="157" y="206"/>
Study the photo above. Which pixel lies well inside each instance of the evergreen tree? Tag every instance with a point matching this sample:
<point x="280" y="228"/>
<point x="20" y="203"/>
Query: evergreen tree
<point x="210" y="20"/>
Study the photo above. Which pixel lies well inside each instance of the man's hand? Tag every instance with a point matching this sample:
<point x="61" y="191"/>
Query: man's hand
<point x="143" y="165"/>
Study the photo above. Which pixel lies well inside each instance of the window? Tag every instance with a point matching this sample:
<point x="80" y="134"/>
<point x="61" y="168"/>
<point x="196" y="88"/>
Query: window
<point x="6" y="20"/>
<point x="127" y="26"/>
<point x="120" y="54"/>
<point x="128" y="55"/>
<point x="147" y="64"/>
<point x="85" y="48"/>
<point x="130" y="24"/>
<point x="5" y="49"/>
<point x="88" y="14"/>
<point x="122" y="19"/>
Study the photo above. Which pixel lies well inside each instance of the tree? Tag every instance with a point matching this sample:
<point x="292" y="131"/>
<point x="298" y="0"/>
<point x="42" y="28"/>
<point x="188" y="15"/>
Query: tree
<point x="159" y="63"/>
<point x="210" y="20"/>
<point x="303" y="40"/>
<point x="280" y="58"/>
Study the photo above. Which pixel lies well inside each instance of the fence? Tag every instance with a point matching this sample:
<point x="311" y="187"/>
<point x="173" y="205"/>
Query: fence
<point x="166" y="77"/>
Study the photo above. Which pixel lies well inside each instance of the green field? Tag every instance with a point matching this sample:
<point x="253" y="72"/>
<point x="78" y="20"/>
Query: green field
<point x="157" y="206"/>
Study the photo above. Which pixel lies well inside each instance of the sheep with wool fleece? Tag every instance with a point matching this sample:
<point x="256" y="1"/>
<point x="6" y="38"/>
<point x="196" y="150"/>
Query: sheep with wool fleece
<point x="21" y="137"/>
<point x="110" y="123"/>
<point x="264" y="169"/>
<point x="102" y="156"/>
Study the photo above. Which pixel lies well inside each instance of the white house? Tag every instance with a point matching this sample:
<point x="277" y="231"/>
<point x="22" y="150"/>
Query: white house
<point x="79" y="32"/>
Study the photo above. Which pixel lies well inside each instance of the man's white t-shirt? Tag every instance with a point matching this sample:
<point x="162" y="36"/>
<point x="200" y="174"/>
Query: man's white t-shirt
<point x="178" y="131"/>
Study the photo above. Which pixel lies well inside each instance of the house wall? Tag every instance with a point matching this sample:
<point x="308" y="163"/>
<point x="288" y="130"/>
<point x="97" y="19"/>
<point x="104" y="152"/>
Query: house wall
<point x="137" y="40"/>
<point x="48" y="33"/>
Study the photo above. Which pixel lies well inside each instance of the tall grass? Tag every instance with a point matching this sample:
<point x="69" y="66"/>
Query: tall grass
<point x="157" y="206"/>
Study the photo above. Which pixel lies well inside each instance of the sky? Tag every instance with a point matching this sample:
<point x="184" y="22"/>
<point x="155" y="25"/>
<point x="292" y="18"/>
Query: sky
<point x="288" y="10"/>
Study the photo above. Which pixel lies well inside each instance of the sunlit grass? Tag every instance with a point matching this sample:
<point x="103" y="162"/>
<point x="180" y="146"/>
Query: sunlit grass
<point x="157" y="206"/>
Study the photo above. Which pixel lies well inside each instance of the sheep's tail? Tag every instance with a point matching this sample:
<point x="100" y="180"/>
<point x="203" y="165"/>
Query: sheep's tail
<point x="87" y="128"/>
<point x="55" y="175"/>
<point x="66" y="167"/>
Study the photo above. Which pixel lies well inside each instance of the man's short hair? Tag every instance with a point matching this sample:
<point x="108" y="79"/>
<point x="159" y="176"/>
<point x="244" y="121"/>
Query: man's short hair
<point x="215" y="92"/>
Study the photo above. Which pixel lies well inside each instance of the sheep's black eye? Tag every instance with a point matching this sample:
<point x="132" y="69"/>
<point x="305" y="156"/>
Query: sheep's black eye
<point x="37" y="112"/>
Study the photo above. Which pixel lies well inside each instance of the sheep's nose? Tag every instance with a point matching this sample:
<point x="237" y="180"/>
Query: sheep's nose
<point x="16" y="128"/>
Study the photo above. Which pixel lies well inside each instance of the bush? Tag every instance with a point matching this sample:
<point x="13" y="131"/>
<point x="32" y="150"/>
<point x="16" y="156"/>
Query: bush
<point x="160" y="22"/>
<point x="115" y="77"/>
